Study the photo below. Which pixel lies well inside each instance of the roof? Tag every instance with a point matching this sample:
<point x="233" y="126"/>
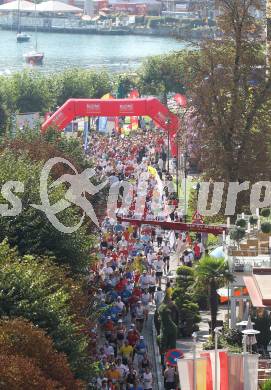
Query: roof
<point x="56" y="6"/>
<point x="14" y="6"/>
<point x="259" y="287"/>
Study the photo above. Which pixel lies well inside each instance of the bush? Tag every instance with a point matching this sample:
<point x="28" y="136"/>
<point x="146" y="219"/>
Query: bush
<point x="266" y="385"/>
<point x="185" y="301"/>
<point x="266" y="227"/>
<point x="265" y="212"/>
<point x="241" y="222"/>
<point x="237" y="233"/>
<point x="253" y="220"/>
<point x="168" y="334"/>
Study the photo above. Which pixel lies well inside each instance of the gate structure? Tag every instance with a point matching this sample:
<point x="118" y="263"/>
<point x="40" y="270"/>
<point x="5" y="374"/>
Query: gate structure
<point x="116" y="107"/>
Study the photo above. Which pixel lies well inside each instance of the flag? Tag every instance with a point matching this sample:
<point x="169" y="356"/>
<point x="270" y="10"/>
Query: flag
<point x="103" y="119"/>
<point x="243" y="371"/>
<point x="134" y="94"/>
<point x="222" y="369"/>
<point x="107" y="96"/>
<point x="236" y="371"/>
<point x="102" y="124"/>
<point x="187" y="368"/>
<point x="85" y="136"/>
<point x="251" y="363"/>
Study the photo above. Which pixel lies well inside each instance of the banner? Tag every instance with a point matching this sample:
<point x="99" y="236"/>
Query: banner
<point x="134" y="94"/>
<point x="251" y="363"/>
<point x="27" y="120"/>
<point x="103" y="119"/>
<point x="222" y="369"/>
<point x="188" y="369"/>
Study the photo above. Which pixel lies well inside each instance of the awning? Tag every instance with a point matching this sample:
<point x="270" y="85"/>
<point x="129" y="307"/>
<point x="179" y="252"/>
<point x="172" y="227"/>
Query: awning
<point x="253" y="291"/>
<point x="56" y="6"/>
<point x="22" y="5"/>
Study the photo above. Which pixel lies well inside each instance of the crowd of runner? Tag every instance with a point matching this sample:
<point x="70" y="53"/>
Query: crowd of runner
<point x="134" y="260"/>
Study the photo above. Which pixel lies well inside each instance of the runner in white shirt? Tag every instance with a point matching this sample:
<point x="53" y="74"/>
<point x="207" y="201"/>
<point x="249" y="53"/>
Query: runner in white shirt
<point x="166" y="257"/>
<point x="152" y="284"/>
<point x="158" y="266"/>
<point x="144" y="281"/>
<point x="147" y="379"/>
<point x="158" y="297"/>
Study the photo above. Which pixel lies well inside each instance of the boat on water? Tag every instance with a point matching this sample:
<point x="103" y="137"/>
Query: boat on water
<point x="34" y="57"/>
<point x="22" y="37"/>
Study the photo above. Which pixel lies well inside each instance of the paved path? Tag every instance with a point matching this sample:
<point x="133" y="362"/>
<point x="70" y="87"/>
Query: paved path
<point x="153" y="351"/>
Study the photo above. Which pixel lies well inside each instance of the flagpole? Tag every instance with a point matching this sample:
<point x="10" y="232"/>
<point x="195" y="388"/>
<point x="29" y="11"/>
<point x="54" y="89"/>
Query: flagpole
<point x="194" y="335"/>
<point x="217" y="332"/>
<point x="245" y="361"/>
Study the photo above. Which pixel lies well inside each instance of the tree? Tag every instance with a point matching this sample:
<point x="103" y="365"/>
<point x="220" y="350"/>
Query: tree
<point x="81" y="83"/>
<point x="168" y="335"/>
<point x="31" y="231"/>
<point x="29" y="91"/>
<point x="19" y="373"/>
<point x="20" y="338"/>
<point x="266" y="227"/>
<point x="253" y="220"/>
<point x="265" y="212"/>
<point x="188" y="309"/>
<point x="230" y="92"/>
<point x="37" y="290"/>
<point x="241" y="223"/>
<point x="213" y="273"/>
<point x="4" y="114"/>
<point x="125" y="82"/>
<point x="237" y="234"/>
<point x="162" y="74"/>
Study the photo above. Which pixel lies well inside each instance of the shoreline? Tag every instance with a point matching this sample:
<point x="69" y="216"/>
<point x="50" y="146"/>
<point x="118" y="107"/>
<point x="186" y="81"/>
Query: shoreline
<point x="166" y="33"/>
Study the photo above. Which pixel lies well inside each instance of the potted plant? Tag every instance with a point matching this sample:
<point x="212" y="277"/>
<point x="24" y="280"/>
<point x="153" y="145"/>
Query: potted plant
<point x="241" y="223"/>
<point x="266" y="227"/>
<point x="265" y="212"/>
<point x="237" y="234"/>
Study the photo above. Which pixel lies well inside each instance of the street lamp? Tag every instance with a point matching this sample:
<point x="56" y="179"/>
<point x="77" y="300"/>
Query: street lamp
<point x="167" y="122"/>
<point x="177" y="163"/>
<point x="185" y="180"/>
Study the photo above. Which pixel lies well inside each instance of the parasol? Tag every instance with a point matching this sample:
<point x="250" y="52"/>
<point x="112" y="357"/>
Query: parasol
<point x="172" y="355"/>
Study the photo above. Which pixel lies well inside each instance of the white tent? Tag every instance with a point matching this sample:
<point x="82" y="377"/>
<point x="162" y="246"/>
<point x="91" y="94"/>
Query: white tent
<point x="57" y="7"/>
<point x="23" y="5"/>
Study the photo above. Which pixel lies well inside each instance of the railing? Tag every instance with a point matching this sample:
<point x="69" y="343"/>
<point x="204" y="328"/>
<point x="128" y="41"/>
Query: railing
<point x="246" y="265"/>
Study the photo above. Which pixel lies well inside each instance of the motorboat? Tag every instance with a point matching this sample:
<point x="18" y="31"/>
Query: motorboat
<point x="22" y="37"/>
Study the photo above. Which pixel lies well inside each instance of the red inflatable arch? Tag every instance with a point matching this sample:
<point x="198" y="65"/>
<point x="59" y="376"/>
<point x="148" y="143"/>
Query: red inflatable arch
<point x="116" y="107"/>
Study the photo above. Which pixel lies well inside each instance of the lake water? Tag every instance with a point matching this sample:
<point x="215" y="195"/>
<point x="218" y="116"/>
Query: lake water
<point x="114" y="53"/>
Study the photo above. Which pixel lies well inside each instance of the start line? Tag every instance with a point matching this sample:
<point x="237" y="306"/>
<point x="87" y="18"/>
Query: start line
<point x="169" y="225"/>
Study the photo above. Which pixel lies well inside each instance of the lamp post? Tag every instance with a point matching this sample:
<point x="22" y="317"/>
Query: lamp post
<point x="185" y="180"/>
<point x="177" y="163"/>
<point x="167" y="122"/>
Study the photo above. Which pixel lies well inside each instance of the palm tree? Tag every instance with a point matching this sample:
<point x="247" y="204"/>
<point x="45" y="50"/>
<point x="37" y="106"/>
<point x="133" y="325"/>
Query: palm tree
<point x="213" y="273"/>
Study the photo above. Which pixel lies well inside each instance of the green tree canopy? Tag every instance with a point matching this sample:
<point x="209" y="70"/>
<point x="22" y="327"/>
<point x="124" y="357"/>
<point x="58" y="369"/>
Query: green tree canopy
<point x="162" y="74"/>
<point x="31" y="231"/>
<point x="29" y="91"/>
<point x="213" y="273"/>
<point x="35" y="289"/>
<point x="81" y="83"/>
